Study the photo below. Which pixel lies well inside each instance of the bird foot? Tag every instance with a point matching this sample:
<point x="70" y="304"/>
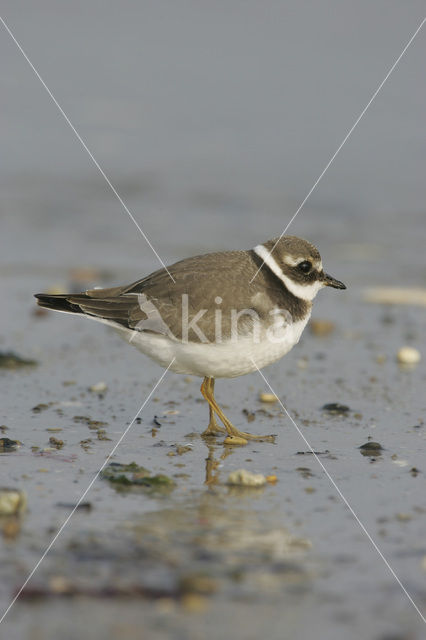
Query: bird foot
<point x="213" y="429"/>
<point x="233" y="432"/>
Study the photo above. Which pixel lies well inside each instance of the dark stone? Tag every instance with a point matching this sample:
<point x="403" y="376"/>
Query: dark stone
<point x="336" y="409"/>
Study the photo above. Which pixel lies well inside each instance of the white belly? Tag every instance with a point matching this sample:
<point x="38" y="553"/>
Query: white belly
<point x="218" y="360"/>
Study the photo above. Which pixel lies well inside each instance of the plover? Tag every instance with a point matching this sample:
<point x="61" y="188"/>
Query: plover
<point x="227" y="313"/>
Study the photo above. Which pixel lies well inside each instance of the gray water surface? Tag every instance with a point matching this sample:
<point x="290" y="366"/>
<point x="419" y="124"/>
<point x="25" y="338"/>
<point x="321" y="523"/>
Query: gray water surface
<point x="213" y="121"/>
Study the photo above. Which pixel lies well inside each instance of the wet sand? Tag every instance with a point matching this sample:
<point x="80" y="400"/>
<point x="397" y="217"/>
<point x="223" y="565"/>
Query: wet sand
<point x="205" y="559"/>
<point x="213" y="131"/>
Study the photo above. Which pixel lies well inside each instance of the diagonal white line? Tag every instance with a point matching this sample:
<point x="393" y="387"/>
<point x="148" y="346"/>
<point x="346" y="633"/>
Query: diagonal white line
<point x="83" y="495"/>
<point x="327" y="166"/>
<point x="86" y="148"/>
<point x="342" y="496"/>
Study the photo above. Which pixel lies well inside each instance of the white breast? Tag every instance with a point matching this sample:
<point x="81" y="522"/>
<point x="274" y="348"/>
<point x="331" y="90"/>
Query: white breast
<point x="223" y="360"/>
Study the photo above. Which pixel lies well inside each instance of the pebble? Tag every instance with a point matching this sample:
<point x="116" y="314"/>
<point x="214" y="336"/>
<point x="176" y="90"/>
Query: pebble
<point x="244" y="478"/>
<point x="408" y="355"/>
<point x="55" y="442"/>
<point x="12" y="501"/>
<point x="321" y="328"/>
<point x="181" y="449"/>
<point x="41" y="407"/>
<point x="234" y="440"/>
<point x="11" y="360"/>
<point x="7" y="445"/>
<point x="268" y="397"/>
<point x="99" y="387"/>
<point x="371" y="449"/>
<point x="272" y="479"/>
<point x="393" y="295"/>
<point x="403" y="517"/>
<point x="372" y="445"/>
<point x="335" y="408"/>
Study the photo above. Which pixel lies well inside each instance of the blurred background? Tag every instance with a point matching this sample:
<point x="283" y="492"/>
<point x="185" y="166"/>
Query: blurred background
<point x="213" y="120"/>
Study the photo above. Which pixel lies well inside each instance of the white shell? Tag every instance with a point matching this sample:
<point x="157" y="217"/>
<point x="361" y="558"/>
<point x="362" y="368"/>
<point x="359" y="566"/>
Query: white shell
<point x="408" y="355"/>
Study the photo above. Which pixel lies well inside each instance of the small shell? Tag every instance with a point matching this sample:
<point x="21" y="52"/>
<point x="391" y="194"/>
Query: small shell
<point x="12" y="501"/>
<point x="268" y="397"/>
<point x="272" y="479"/>
<point x="99" y="387"/>
<point x="408" y="355"/>
<point x="246" y="478"/>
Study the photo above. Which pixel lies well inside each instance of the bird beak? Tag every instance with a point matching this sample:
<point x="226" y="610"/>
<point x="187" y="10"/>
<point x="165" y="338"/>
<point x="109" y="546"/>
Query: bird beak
<point x="329" y="281"/>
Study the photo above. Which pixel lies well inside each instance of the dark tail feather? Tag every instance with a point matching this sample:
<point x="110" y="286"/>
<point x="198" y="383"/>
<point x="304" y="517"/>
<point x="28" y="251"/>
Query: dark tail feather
<point x="58" y="302"/>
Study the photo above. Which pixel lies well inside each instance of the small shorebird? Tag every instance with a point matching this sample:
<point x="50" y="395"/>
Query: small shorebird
<point x="226" y="314"/>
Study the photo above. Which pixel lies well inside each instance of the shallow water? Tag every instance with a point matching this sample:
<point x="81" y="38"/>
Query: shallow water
<point x="206" y="560"/>
<point x="143" y="547"/>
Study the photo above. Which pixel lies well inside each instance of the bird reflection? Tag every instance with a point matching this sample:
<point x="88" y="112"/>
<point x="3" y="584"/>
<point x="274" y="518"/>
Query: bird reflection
<point x="213" y="463"/>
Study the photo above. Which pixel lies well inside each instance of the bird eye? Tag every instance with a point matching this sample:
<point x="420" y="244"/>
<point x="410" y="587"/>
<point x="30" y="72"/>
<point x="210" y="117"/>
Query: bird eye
<point x="304" y="266"/>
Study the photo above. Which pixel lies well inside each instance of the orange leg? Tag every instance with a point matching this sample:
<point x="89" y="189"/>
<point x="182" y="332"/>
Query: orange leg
<point x="213" y="429"/>
<point x="207" y="389"/>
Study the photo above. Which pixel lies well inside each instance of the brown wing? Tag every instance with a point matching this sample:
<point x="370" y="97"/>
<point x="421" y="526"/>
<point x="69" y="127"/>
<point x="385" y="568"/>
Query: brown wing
<point x="203" y="286"/>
